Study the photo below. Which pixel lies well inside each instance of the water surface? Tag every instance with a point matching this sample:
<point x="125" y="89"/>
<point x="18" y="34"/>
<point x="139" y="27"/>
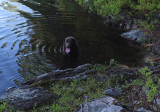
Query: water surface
<point x="32" y="32"/>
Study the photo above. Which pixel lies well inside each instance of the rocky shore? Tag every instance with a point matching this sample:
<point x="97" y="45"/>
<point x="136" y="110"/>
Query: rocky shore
<point x="120" y="96"/>
<point x="33" y="93"/>
<point x="105" y="88"/>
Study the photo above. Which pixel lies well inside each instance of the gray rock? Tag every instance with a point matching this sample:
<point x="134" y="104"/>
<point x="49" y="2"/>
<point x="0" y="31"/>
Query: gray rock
<point x="102" y="104"/>
<point x="156" y="49"/>
<point x="135" y="35"/>
<point x="143" y="110"/>
<point x="109" y="20"/>
<point x="81" y="89"/>
<point x="82" y="68"/>
<point x="158" y="103"/>
<point x="25" y="98"/>
<point x="113" y="92"/>
<point x="134" y="26"/>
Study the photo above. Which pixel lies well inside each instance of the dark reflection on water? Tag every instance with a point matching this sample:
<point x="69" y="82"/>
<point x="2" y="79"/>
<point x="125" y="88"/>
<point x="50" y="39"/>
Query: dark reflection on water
<point x="32" y="32"/>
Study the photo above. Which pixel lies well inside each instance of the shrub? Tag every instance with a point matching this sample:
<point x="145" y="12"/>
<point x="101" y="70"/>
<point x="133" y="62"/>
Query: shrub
<point x="151" y="86"/>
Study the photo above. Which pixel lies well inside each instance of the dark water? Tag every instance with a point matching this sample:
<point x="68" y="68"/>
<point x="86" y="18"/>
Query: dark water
<point x="32" y="32"/>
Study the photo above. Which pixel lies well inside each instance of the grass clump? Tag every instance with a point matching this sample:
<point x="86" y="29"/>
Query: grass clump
<point x="4" y="107"/>
<point x="100" y="68"/>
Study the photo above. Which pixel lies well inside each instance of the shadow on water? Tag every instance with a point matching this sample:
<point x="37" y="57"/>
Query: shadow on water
<point x="32" y="33"/>
<point x="98" y="43"/>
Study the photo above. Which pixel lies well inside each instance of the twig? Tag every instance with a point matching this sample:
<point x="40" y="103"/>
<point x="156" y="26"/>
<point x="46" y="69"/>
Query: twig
<point x="87" y="103"/>
<point x="81" y="108"/>
<point x="156" y="104"/>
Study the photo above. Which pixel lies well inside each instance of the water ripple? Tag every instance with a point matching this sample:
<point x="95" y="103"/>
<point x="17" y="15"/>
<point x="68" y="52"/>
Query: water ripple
<point x="14" y="29"/>
<point x="32" y="32"/>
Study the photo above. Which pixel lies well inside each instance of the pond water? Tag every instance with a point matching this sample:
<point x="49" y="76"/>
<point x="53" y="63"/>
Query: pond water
<point x="32" y="32"/>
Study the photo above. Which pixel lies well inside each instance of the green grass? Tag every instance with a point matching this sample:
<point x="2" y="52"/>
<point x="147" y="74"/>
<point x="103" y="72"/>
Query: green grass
<point x="2" y="106"/>
<point x="73" y="94"/>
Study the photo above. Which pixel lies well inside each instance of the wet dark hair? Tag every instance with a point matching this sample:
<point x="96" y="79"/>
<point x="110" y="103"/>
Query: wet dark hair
<point x="70" y="52"/>
<point x="70" y="47"/>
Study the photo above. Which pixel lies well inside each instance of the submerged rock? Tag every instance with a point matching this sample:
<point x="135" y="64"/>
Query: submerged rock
<point x="135" y="35"/>
<point x="80" y="73"/>
<point x="102" y="104"/>
<point x="26" y="97"/>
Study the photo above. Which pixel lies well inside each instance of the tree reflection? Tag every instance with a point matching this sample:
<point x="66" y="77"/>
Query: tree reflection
<point x="9" y="6"/>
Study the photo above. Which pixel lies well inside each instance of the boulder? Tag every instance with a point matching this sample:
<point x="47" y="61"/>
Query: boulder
<point x="102" y="104"/>
<point x="26" y="97"/>
<point x="135" y="35"/>
<point x="142" y="110"/>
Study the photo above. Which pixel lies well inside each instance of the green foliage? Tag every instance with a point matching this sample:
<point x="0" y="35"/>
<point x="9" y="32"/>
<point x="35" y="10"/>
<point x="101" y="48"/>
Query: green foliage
<point x="115" y="7"/>
<point x="107" y="7"/>
<point x="145" y="71"/>
<point x="151" y="5"/>
<point x="132" y="8"/>
<point x="3" y="106"/>
<point x="112" y="62"/>
<point x="151" y="89"/>
<point x="150" y="84"/>
<point x="73" y="94"/>
<point x="103" y="68"/>
<point x="149" y="26"/>
<point x="146" y="86"/>
<point x="100" y="68"/>
<point x="57" y="108"/>
<point x="137" y="82"/>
